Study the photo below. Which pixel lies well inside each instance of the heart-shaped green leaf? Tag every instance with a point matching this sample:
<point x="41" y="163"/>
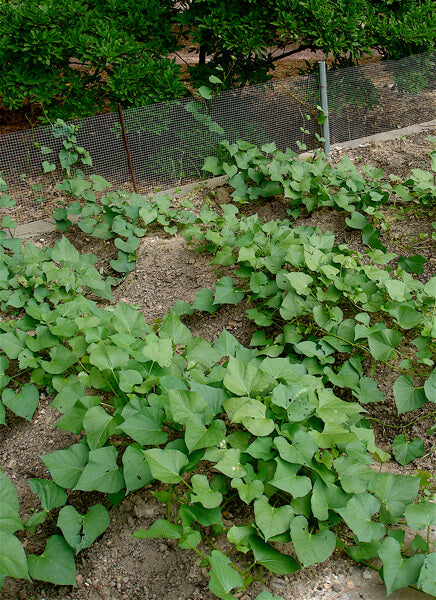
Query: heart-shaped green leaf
<point x="80" y="531"/>
<point x="223" y="578"/>
<point x="286" y="479"/>
<point x="407" y="397"/>
<point x="166" y="464"/>
<point x="311" y="549"/>
<point x="137" y="473"/>
<point x="101" y="473"/>
<point x="50" y="494"/>
<point x="56" y="564"/>
<point x="203" y="493"/>
<point x="108" y="356"/>
<point x="272" y="521"/>
<point x="405" y="451"/>
<point x="398" y="572"/>
<point x="66" y="466"/>
<point x="24" y="403"/>
<point x="358" y="512"/>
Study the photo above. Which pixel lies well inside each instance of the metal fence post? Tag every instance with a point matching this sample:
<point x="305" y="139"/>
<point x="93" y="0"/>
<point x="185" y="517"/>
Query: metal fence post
<point x="325" y="107"/>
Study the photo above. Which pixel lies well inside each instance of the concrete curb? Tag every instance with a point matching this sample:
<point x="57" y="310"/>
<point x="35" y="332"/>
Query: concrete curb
<point x="28" y="230"/>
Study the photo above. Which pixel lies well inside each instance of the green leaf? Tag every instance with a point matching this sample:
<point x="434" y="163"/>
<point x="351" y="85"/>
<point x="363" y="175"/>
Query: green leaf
<point x="430" y="287"/>
<point x="430" y="387"/>
<point x="159" y="350"/>
<point x="398" y="572"/>
<point x="206" y="93"/>
<point x="101" y="473"/>
<point x="129" y="246"/>
<point x="11" y="344"/>
<point x="426" y="579"/>
<point x="13" y="561"/>
<point x="230" y="464"/>
<point x="300" y="282"/>
<point x="9" y="506"/>
<point x="212" y="165"/>
<point x="35" y="519"/>
<point x="64" y="252"/>
<point x="198" y="436"/>
<point x="48" y="167"/>
<point x="272" y="559"/>
<point x="203" y="493"/>
<point x="286" y="479"/>
<point x="300" y="452"/>
<point x="99" y="183"/>
<point x="66" y="466"/>
<point x="383" y="342"/>
<point x="397" y="290"/>
<point x="421" y="515"/>
<point x="106" y="356"/>
<point x="272" y="521"/>
<point x="145" y="426"/>
<point x="248" y="491"/>
<point x="173" y="328"/>
<point x="97" y="424"/>
<point x="128" y="379"/>
<point x="242" y="378"/>
<point x="407" y="397"/>
<point x="406" y="316"/>
<point x="239" y="536"/>
<point x="61" y="360"/>
<point x="356" y="220"/>
<point x="368" y="391"/>
<point x="225" y="294"/>
<point x="137" y="473"/>
<point x="186" y="405"/>
<point x="166" y="464"/>
<point x="260" y="448"/>
<point x="56" y="564"/>
<point x="311" y="549"/>
<point x="395" y="492"/>
<point x="9" y="516"/>
<point x="159" y="529"/>
<point x="251" y="413"/>
<point x="24" y="403"/>
<point x="357" y="514"/>
<point x="268" y="596"/>
<point x="80" y="531"/>
<point x="353" y="475"/>
<point x="223" y="578"/>
<point x="412" y="264"/>
<point x="404" y="451"/>
<point x="50" y="494"/>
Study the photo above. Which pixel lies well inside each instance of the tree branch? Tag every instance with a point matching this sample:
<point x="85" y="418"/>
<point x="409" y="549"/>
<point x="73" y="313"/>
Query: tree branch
<point x="290" y="53"/>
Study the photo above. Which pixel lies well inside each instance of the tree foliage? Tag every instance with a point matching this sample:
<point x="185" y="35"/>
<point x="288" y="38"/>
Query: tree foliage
<point x="74" y="58"/>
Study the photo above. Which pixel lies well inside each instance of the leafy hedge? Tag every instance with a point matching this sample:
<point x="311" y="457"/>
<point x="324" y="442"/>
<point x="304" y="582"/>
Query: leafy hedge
<point x="74" y="58"/>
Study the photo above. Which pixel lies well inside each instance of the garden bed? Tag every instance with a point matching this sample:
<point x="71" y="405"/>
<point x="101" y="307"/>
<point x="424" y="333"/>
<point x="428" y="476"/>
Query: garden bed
<point x="168" y="269"/>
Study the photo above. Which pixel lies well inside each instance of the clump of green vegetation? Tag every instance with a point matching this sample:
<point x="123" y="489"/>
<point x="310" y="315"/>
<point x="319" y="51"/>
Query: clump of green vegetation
<point x="279" y="426"/>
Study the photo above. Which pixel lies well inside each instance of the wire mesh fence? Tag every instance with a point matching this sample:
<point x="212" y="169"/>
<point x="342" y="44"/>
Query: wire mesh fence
<point x="168" y="142"/>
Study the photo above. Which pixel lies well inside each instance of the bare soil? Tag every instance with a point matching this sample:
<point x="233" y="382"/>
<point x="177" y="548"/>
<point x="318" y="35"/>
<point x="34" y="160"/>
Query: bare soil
<point x="119" y="567"/>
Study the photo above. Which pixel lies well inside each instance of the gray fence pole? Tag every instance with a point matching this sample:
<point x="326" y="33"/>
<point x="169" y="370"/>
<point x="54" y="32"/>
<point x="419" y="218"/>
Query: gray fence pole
<point x="325" y="107"/>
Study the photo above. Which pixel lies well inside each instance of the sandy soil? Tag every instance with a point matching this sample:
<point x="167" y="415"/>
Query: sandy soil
<point x="118" y="567"/>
